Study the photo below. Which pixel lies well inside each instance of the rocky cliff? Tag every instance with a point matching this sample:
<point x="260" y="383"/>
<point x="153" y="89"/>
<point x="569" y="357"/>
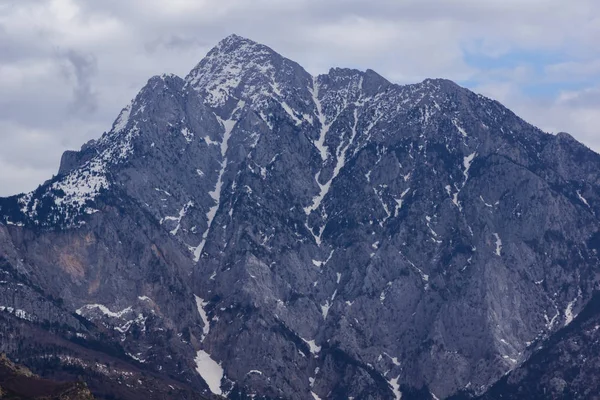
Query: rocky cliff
<point x="252" y="230"/>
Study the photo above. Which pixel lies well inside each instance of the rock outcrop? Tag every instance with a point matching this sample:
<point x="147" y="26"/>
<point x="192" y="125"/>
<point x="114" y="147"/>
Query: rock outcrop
<point x="251" y="229"/>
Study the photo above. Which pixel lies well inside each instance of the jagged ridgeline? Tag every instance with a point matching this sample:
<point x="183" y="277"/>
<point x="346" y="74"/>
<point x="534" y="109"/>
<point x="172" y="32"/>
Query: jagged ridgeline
<point x="253" y="231"/>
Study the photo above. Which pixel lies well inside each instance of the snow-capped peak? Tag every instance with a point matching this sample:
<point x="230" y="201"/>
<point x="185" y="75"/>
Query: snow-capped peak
<point x="238" y="68"/>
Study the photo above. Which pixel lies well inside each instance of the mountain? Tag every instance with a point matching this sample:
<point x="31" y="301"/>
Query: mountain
<point x="253" y="231"/>
<point x="18" y="383"/>
<point x="564" y="367"/>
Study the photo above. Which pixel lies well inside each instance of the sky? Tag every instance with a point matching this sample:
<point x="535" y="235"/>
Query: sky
<point x="67" y="67"/>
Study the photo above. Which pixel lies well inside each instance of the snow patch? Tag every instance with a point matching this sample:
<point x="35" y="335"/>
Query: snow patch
<point x="182" y="214"/>
<point x="314" y="349"/>
<point x="486" y="204"/>
<point x="467" y="161"/>
<point x="163" y="191"/>
<point x="136" y="357"/>
<point x="200" y="305"/>
<point x="384" y="205"/>
<point x="81" y="185"/>
<point x="583" y="200"/>
<point x="339" y="164"/>
<point x="424" y="276"/>
<point x="325" y="309"/>
<point x="122" y="119"/>
<point x="187" y="134"/>
<point x="320" y="143"/>
<point x="498" y="244"/>
<point x="459" y="128"/>
<point x="550" y="322"/>
<point x="103" y="309"/>
<point x="210" y="142"/>
<point x="396" y="388"/>
<point x="569" y="310"/>
<point x="400" y="201"/>
<point x="290" y="112"/>
<point x="394" y="359"/>
<point x="453" y="196"/>
<point x="21" y="314"/>
<point x="210" y="371"/>
<point x="319" y="264"/>
<point x="228" y="126"/>
<point x="254" y="371"/>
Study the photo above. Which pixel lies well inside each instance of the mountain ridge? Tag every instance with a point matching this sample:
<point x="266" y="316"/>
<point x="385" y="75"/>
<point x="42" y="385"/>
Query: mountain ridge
<point x="340" y="234"/>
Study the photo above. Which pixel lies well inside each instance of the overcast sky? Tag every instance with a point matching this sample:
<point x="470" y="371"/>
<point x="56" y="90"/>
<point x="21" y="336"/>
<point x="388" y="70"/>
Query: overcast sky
<point x="68" y="66"/>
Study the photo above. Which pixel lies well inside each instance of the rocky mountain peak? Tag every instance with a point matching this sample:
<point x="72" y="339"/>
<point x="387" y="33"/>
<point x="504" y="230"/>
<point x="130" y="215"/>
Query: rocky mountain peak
<point x="235" y="52"/>
<point x="234" y="42"/>
<point x="372" y="235"/>
<point x="240" y="69"/>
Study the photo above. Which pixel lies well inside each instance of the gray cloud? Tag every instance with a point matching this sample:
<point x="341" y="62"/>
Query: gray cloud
<point x="588" y="98"/>
<point x="68" y="66"/>
<point x="175" y="42"/>
<point x="80" y="69"/>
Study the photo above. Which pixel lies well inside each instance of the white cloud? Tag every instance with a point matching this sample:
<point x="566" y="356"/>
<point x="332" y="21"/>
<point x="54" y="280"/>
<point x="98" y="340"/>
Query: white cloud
<point x="575" y="112"/>
<point x="573" y="71"/>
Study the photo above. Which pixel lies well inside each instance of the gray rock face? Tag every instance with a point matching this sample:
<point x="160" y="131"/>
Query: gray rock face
<point x="565" y="366"/>
<point x="334" y="236"/>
